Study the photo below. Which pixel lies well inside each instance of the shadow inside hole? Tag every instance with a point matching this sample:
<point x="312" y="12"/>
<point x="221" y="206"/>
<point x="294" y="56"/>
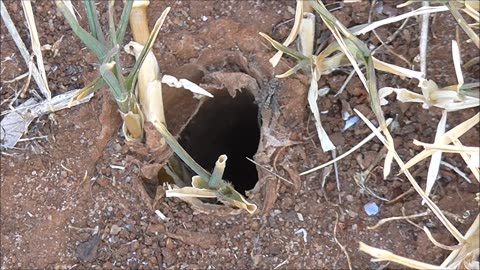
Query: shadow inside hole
<point x="226" y="125"/>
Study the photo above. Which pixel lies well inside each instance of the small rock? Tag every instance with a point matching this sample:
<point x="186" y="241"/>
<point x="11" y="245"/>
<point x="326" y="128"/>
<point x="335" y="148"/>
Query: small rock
<point x="115" y="229"/>
<point x="107" y="266"/>
<point x="156" y="228"/>
<point x="371" y="209"/>
<point x="87" y="251"/>
<point x="255" y="225"/>
<point x="169" y="244"/>
<point x="152" y="260"/>
<point x="169" y="257"/>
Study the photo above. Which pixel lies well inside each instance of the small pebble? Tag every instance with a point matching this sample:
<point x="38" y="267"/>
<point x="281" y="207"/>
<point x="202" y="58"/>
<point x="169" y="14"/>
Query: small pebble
<point x="371" y="209"/>
<point x="115" y="229"/>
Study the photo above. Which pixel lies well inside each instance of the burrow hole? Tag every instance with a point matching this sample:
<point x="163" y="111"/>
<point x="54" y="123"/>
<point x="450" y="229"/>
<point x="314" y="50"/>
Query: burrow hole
<point x="226" y="125"/>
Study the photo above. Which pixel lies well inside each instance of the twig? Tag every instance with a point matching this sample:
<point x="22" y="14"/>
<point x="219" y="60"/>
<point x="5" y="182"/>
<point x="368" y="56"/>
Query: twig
<point x="33" y="138"/>
<point x="385" y="220"/>
<point x="338" y="243"/>
<point x="19" y="77"/>
<point x="265" y="168"/>
<point x="282" y="263"/>
<point x="424" y="40"/>
<point x="335" y="167"/>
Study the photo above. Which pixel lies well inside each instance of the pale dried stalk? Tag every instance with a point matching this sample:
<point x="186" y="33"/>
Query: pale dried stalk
<point x="449" y="148"/>
<point x="434" y="167"/>
<point x="293" y="34"/>
<point x="358" y="145"/>
<point x="148" y="84"/>
<point x="455" y="132"/>
<point x="36" y="47"/>
<point x="468" y="160"/>
<point x="383" y="255"/>
<point x="138" y="21"/>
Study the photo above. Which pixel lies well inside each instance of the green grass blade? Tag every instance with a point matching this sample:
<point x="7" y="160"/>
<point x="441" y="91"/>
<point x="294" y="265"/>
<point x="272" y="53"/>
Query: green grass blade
<point x="111" y="23"/>
<point x="181" y="153"/>
<point x="93" y="21"/>
<point x="117" y="89"/>
<point x="294" y="70"/>
<point x="92" y="43"/>
<point x="279" y="46"/>
<point x="122" y="27"/>
<point x="96" y="85"/>
<point x="132" y="77"/>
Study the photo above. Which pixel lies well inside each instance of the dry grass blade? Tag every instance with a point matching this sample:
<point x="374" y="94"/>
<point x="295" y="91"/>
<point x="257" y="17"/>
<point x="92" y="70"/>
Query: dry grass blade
<point x="385" y="220"/>
<point x="457" y="62"/>
<point x="338" y="243"/>
<point x="15" y="123"/>
<point x="36" y="47"/>
<point x="468" y="159"/>
<point x="22" y="48"/>
<point x="469" y="252"/>
<point x="436" y="157"/>
<point x="455" y="132"/>
<point x="149" y="88"/>
<point x="325" y="141"/>
<point x="458" y="236"/>
<point x="139" y="22"/>
<point x="363" y="29"/>
<point x="396" y="70"/>
<point x="358" y="145"/>
<point x="186" y="84"/>
<point x="448" y="148"/>
<point x="293" y="34"/>
<point x="132" y="77"/>
<point x="384" y="255"/>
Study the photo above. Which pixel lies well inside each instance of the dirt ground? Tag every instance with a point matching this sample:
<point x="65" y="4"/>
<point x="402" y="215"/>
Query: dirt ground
<point x="76" y="197"/>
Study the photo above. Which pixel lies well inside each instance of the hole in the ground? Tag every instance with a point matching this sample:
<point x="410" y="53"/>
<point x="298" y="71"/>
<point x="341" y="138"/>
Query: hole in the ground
<point x="226" y="125"/>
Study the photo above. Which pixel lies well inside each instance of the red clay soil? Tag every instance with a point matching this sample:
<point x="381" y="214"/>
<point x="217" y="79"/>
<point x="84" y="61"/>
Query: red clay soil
<point x="77" y="198"/>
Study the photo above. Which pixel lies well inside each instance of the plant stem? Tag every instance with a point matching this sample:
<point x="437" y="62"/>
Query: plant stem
<point x="139" y="22"/>
<point x="217" y="174"/>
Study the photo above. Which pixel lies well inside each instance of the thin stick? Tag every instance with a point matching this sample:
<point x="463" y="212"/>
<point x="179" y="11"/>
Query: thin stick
<point x="265" y="168"/>
<point x="364" y="141"/>
<point x="385" y="220"/>
<point x="338" y="243"/>
<point x="424" y="40"/>
<point x="335" y="167"/>
<point x="19" y="77"/>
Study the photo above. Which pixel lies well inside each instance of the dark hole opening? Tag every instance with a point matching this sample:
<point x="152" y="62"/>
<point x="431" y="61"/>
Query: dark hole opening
<point x="226" y="125"/>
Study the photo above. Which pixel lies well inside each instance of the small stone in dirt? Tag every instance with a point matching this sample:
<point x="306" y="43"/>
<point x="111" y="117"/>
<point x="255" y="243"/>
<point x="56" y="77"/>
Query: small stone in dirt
<point x="156" y="228"/>
<point x="115" y="229"/>
<point x="371" y="208"/>
<point x="169" y="244"/>
<point x="87" y="251"/>
<point x="169" y="257"/>
<point x="255" y="225"/>
<point x="107" y="266"/>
